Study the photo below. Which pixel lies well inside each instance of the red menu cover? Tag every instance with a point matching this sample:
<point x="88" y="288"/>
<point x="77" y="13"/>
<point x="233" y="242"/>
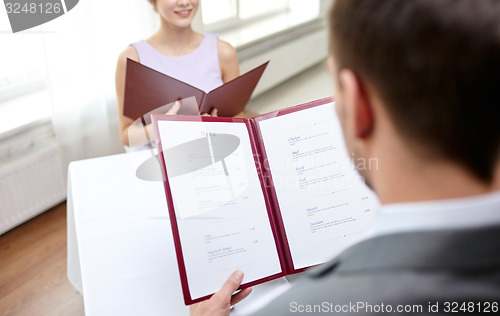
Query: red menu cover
<point x="147" y="90"/>
<point x="271" y="195"/>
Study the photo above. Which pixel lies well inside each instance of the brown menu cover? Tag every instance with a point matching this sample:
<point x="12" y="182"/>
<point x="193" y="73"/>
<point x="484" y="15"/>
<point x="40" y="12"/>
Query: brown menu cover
<point x="147" y="90"/>
<point x="266" y="182"/>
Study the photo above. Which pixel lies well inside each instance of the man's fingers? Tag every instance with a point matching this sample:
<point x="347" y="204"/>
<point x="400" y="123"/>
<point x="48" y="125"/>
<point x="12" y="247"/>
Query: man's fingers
<point x="240" y="296"/>
<point x="231" y="285"/>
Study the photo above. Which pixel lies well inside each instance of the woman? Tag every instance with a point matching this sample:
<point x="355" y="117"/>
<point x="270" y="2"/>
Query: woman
<point x="204" y="61"/>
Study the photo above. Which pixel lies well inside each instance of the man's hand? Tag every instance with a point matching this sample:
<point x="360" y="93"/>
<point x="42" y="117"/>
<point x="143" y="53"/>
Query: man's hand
<point x="220" y="303"/>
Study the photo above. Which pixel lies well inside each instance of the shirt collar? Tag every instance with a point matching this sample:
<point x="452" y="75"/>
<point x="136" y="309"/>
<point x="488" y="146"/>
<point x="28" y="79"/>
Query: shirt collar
<point x="460" y="213"/>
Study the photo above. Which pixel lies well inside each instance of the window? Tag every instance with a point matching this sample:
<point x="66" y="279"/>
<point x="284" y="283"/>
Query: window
<point x="214" y="11"/>
<point x="243" y="22"/>
<point x="22" y="66"/>
<point x="218" y="14"/>
<point x="253" y="8"/>
<point x="24" y="96"/>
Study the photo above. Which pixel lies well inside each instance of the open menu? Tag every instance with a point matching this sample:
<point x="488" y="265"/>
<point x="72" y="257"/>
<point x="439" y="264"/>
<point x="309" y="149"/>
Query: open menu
<point x="272" y="195"/>
<point x="150" y="91"/>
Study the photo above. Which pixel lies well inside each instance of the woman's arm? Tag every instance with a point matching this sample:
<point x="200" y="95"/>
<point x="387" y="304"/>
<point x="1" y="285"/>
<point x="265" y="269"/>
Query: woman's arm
<point x="132" y="135"/>
<point x="228" y="61"/>
<point x="230" y="69"/>
<point x="127" y="130"/>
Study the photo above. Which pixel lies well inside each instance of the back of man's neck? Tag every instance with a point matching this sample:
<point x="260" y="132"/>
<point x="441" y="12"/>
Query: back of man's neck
<point x="496" y="179"/>
<point x="432" y="181"/>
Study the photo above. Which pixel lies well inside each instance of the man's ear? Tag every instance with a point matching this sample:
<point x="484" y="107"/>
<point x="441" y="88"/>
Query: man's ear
<point x="358" y="103"/>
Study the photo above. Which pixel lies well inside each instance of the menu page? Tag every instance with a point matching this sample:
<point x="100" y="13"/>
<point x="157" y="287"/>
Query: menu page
<point x="219" y="203"/>
<point x="324" y="204"/>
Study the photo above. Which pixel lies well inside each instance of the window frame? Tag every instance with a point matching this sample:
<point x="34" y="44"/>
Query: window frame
<point x="237" y="21"/>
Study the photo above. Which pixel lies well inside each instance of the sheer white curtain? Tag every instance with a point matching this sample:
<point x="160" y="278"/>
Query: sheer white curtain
<point x="82" y="48"/>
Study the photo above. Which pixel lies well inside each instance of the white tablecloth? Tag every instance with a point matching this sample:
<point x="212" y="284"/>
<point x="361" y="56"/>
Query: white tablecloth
<point x="120" y="251"/>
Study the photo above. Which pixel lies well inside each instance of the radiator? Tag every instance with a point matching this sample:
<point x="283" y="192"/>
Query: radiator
<point x="30" y="185"/>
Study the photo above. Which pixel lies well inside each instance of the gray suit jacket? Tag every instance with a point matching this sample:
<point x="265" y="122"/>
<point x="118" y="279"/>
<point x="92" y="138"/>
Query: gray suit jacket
<point x="408" y="270"/>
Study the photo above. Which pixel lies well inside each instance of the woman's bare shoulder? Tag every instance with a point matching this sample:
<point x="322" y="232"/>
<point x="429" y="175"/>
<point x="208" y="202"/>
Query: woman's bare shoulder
<point x="129" y="52"/>
<point x="228" y="61"/>
<point x="226" y="51"/>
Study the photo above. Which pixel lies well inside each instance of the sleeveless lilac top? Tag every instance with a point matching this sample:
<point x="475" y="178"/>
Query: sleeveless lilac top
<point x="200" y="68"/>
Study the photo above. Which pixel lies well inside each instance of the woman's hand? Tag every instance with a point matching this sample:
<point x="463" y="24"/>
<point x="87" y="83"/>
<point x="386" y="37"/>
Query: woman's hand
<point x="212" y="113"/>
<point x="174" y="109"/>
<point x="220" y="303"/>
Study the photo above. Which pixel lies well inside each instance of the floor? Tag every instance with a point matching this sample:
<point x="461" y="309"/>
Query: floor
<point x="33" y="278"/>
<point x="33" y="256"/>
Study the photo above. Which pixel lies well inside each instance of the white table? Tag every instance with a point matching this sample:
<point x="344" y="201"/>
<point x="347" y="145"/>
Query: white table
<point x="120" y="251"/>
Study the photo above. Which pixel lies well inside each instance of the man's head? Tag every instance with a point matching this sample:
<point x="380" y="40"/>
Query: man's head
<point x="435" y="67"/>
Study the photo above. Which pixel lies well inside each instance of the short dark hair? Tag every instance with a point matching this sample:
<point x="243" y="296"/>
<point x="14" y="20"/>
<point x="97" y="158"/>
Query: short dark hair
<point x="436" y="65"/>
